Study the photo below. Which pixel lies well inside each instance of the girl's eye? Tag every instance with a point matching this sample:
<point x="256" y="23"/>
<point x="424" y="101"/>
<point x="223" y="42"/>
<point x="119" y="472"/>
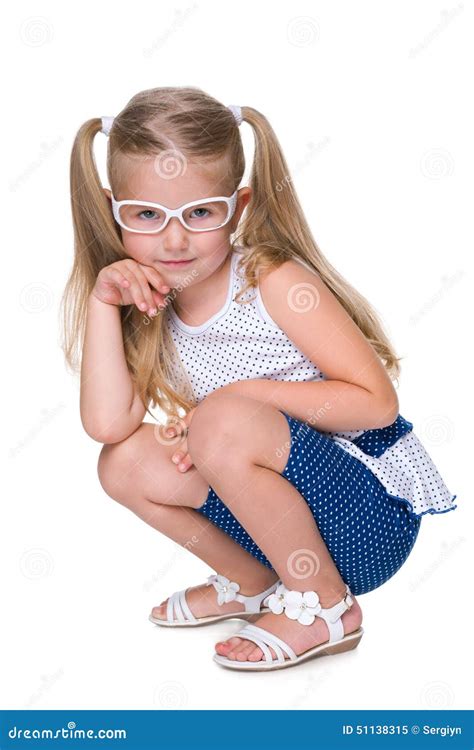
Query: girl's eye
<point x="147" y="211"/>
<point x="201" y="216"/>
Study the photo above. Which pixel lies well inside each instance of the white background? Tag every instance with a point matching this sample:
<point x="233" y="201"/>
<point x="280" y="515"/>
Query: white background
<point x="370" y="102"/>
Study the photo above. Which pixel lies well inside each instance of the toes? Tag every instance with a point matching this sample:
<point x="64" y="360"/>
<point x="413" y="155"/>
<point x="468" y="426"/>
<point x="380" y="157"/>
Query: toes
<point x="240" y="650"/>
<point x="158" y="612"/>
<point x="229" y="644"/>
<point x="256" y="654"/>
<point x="235" y="645"/>
<point x="222" y="648"/>
<point x="247" y="649"/>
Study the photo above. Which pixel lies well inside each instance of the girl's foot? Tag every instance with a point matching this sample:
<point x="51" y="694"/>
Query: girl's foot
<point x="299" y="637"/>
<point x="202" y="600"/>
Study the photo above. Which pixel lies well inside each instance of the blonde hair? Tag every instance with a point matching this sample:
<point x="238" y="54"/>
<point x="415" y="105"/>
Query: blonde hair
<point x="272" y="230"/>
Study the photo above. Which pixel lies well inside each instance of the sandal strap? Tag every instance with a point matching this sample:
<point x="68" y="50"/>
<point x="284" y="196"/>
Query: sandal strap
<point x="334" y="612"/>
<point x="261" y="644"/>
<point x="332" y="616"/>
<point x="252" y="603"/>
<point x="177" y="608"/>
<point x="263" y="639"/>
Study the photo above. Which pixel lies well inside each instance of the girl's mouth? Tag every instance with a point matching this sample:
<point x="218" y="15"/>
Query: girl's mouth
<point x="176" y="263"/>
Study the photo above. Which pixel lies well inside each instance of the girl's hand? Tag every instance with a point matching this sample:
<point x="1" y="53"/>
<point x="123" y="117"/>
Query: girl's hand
<point x="181" y="457"/>
<point x="127" y="282"/>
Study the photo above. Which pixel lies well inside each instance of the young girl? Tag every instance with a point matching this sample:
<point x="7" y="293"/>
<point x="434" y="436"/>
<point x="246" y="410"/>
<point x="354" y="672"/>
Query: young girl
<point x="285" y="464"/>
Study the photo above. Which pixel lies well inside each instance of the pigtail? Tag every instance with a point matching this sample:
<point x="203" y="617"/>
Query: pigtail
<point x="96" y="240"/>
<point x="274" y="230"/>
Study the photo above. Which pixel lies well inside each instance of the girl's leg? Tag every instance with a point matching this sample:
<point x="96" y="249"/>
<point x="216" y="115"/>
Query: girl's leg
<point x="241" y="447"/>
<point x="139" y="474"/>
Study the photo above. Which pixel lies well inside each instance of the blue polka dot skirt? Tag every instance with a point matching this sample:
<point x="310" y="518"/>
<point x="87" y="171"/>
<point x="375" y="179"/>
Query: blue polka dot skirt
<point x="368" y="533"/>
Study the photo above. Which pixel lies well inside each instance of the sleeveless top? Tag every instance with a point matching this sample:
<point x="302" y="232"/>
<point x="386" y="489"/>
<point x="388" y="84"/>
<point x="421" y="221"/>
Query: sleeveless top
<point x="241" y="341"/>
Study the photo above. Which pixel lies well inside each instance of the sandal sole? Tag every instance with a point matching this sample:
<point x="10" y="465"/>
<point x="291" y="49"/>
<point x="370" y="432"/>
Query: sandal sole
<point x="349" y="642"/>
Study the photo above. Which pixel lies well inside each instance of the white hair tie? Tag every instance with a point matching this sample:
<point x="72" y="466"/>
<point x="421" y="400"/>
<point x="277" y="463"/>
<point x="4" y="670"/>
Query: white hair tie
<point x="237" y="112"/>
<point x="107" y="122"/>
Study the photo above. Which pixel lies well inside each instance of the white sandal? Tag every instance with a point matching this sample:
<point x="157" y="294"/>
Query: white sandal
<point x="304" y="607"/>
<point x="178" y="613"/>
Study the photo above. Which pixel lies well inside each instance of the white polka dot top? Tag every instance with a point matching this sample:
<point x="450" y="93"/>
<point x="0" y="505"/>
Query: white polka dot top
<point x="241" y="341"/>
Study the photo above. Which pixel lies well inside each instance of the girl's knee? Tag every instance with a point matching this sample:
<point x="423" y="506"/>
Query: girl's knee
<point x="228" y="426"/>
<point x="117" y="461"/>
<point x="215" y="424"/>
<point x="108" y="469"/>
<point x="140" y="468"/>
<point x="204" y="424"/>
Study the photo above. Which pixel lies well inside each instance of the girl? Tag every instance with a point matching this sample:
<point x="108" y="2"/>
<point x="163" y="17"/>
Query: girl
<point x="285" y="464"/>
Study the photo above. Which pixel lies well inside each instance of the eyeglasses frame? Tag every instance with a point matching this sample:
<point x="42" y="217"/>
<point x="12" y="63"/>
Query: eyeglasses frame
<point x="171" y="212"/>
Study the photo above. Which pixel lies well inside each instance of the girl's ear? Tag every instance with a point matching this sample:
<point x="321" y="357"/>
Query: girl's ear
<point x="245" y="194"/>
<point x="108" y="193"/>
<point x="243" y="197"/>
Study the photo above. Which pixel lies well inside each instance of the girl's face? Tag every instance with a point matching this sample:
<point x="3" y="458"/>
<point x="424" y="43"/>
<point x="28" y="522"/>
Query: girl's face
<point x="206" y="250"/>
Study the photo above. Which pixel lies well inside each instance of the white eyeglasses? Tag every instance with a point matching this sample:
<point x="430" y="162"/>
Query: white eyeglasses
<point x="212" y="213"/>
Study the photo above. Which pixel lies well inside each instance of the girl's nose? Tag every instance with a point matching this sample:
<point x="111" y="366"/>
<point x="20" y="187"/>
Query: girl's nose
<point x="174" y="233"/>
<point x="174" y="224"/>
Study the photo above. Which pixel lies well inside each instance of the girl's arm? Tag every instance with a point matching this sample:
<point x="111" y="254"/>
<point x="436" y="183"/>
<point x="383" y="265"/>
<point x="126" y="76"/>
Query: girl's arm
<point x="327" y="405"/>
<point x="358" y="392"/>
<point x="111" y="409"/>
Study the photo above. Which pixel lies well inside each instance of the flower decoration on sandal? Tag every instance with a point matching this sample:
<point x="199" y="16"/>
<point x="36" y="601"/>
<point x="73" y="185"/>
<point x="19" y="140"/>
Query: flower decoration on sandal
<point x="302" y="606"/>
<point x="276" y="601"/>
<point x="226" y="590"/>
<point x="297" y="605"/>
